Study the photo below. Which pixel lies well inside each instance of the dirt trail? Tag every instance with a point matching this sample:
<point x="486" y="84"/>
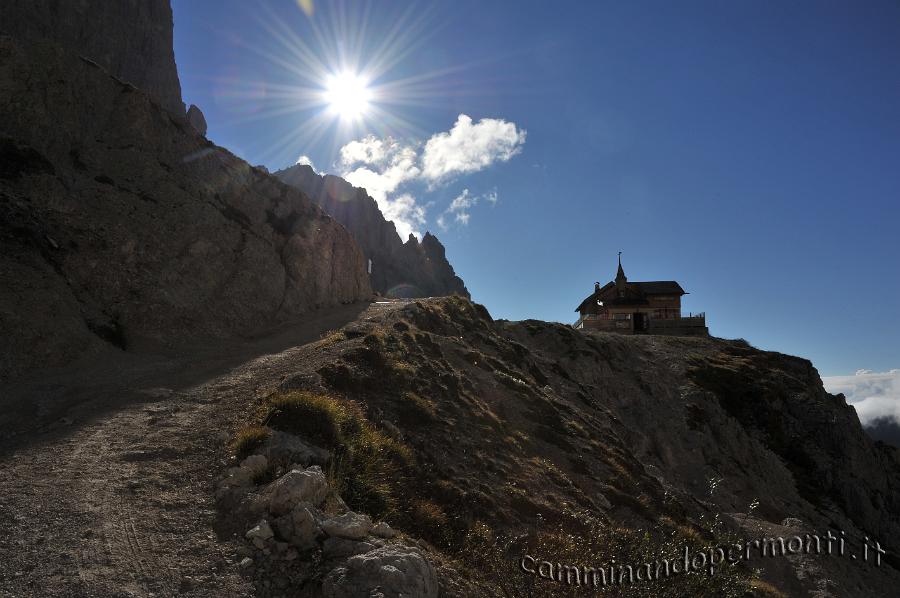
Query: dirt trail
<point x="109" y="491"/>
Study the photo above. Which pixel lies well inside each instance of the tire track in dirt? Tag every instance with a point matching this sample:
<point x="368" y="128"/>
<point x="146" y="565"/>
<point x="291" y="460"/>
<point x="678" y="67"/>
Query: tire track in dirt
<point x="118" y="499"/>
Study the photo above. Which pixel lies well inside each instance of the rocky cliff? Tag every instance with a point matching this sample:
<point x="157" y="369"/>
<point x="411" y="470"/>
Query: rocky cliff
<point x="510" y="439"/>
<point x="131" y="39"/>
<point x="410" y="269"/>
<point x="120" y="224"/>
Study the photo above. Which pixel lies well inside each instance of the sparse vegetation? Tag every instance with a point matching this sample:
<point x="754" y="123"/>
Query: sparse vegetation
<point x="248" y="440"/>
<point x="415" y="410"/>
<point x="331" y="337"/>
<point x="367" y="465"/>
<point x="429" y="519"/>
<point x="576" y="545"/>
<point x="764" y="588"/>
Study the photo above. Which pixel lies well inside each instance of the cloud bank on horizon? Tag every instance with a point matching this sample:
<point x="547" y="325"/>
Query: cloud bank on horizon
<point x="386" y="168"/>
<point x="874" y="395"/>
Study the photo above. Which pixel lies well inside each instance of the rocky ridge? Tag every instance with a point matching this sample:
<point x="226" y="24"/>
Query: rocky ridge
<point x="121" y="226"/>
<point x="399" y="269"/>
<point x="533" y="438"/>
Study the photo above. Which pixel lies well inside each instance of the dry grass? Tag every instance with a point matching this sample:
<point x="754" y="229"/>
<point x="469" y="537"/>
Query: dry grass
<point x="331" y="337"/>
<point x="367" y="467"/>
<point x="590" y="544"/>
<point x="764" y="588"/>
<point x="416" y="411"/>
<point x="248" y="440"/>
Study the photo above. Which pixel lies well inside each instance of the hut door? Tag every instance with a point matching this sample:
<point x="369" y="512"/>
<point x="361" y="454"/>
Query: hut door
<point x="638" y="319"/>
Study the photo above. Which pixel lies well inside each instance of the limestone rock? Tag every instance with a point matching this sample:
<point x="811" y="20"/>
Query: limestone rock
<point x="295" y="487"/>
<point x="410" y="269"/>
<point x="237" y="477"/>
<point x="286" y="449"/>
<point x="132" y="39"/>
<point x="255" y="463"/>
<point x="394" y="571"/>
<point x="300" y="527"/>
<point x="259" y="534"/>
<point x="383" y="530"/>
<point x="162" y="238"/>
<point x="352" y="526"/>
<point x="196" y="119"/>
<point x="341" y="548"/>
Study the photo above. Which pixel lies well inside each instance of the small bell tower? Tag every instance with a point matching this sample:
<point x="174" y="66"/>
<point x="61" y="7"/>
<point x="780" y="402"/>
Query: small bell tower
<point x="621" y="279"/>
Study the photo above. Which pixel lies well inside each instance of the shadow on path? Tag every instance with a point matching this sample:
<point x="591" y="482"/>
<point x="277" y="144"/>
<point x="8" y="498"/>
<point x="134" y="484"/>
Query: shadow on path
<point x="50" y="405"/>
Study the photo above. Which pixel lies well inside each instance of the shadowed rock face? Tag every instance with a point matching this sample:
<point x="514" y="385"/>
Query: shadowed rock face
<point x="132" y="39"/>
<point x="544" y="421"/>
<point x="120" y="224"/>
<point x="196" y="119"/>
<point x="399" y="269"/>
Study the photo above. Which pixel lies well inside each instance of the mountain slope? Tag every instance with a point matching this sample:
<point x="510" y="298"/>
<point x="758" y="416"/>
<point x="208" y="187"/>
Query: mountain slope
<point x="578" y="448"/>
<point x="122" y="226"/>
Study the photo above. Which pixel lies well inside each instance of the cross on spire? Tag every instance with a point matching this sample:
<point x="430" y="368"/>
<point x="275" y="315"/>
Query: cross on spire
<point x="620" y="274"/>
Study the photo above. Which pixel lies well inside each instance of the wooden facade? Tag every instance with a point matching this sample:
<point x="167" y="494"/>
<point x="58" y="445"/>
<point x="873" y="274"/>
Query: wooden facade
<point x="638" y="308"/>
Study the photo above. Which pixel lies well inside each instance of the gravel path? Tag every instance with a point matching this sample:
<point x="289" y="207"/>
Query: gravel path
<point x="107" y="490"/>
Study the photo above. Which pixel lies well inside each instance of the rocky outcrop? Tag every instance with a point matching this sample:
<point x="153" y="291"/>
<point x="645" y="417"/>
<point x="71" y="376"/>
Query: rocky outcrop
<point x="410" y="269"/>
<point x="395" y="571"/>
<point x="580" y="448"/>
<point x="122" y="226"/>
<point x="196" y="119"/>
<point x="131" y="39"/>
<point x="304" y="522"/>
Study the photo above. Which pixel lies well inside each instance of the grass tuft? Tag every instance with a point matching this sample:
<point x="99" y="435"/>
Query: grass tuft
<point x="248" y="440"/>
<point x="368" y="466"/>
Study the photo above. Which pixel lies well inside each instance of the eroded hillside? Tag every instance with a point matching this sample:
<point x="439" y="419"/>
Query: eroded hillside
<point x="488" y="440"/>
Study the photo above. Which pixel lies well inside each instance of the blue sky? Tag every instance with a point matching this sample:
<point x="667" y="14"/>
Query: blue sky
<point x="748" y="150"/>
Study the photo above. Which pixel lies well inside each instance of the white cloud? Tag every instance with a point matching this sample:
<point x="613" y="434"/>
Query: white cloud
<point x="462" y="202"/>
<point x="875" y="395"/>
<point x="405" y="214"/>
<point x="368" y="150"/>
<point x="304" y="159"/>
<point x="469" y="147"/>
<point x="385" y="167"/>
<point x="461" y="205"/>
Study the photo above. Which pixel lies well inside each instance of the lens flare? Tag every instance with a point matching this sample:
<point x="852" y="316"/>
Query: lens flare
<point x="347" y="95"/>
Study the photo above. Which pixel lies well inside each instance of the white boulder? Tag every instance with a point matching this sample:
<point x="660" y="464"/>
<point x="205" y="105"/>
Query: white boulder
<point x="383" y="530"/>
<point x="394" y="571"/>
<point x="297" y="486"/>
<point x="260" y="534"/>
<point x="300" y="527"/>
<point x="351" y="526"/>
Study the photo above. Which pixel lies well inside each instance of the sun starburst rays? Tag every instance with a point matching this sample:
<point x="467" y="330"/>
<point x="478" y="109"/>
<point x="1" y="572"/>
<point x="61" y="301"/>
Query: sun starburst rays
<point x="337" y="77"/>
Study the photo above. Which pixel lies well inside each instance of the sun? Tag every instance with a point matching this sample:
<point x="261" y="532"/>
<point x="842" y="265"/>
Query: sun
<point x="348" y="95"/>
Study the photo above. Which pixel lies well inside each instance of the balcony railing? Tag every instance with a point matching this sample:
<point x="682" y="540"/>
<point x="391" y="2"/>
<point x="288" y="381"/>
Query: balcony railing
<point x="692" y="319"/>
